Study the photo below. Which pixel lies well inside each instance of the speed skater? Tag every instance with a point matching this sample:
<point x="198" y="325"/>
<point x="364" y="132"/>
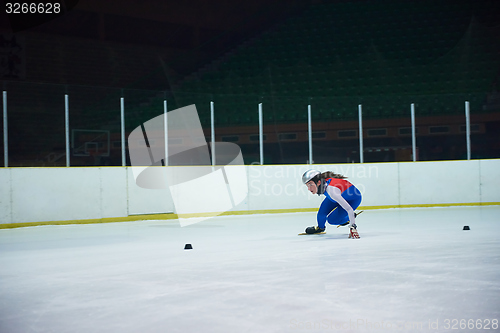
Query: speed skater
<point x="342" y="198"/>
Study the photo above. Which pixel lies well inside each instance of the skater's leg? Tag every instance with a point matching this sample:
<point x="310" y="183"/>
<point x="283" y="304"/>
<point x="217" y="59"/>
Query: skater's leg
<point x="353" y="196"/>
<point x="326" y="207"/>
<point x="340" y="216"/>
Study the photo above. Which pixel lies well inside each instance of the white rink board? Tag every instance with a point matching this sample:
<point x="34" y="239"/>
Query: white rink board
<point x="60" y="194"/>
<point x="56" y="194"/>
<point x="146" y="201"/>
<point x="113" y="191"/>
<point x="439" y="183"/>
<point x="490" y="180"/>
<point x="45" y="194"/>
<point x="278" y="187"/>
<point x="5" y="196"/>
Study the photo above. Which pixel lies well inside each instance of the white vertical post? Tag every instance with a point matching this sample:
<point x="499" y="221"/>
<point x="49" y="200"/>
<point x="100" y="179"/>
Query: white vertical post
<point x="165" y="130"/>
<point x="360" y="115"/>
<point x="261" y="136"/>
<point x="212" y="131"/>
<point x="5" y="133"/>
<point x="413" y="134"/>
<point x="122" y="116"/>
<point x="467" y="128"/>
<point x="309" y="130"/>
<point x="66" y="128"/>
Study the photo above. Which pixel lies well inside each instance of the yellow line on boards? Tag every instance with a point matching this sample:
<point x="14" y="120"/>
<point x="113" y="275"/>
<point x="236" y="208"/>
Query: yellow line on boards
<point x="92" y="221"/>
<point x="172" y="216"/>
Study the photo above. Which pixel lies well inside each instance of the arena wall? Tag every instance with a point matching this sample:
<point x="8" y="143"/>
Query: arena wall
<point x="103" y="194"/>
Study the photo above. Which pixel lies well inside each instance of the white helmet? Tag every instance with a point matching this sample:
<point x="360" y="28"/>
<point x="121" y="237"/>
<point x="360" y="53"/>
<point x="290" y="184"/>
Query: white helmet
<point x="309" y="174"/>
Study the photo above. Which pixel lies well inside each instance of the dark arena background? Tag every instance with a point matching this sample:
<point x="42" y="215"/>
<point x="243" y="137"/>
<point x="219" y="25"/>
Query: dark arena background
<point x="287" y="55"/>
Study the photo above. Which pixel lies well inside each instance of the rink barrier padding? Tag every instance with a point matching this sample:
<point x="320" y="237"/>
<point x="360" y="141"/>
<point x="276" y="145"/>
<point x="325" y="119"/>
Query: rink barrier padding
<point x="173" y="217"/>
<point x="41" y="196"/>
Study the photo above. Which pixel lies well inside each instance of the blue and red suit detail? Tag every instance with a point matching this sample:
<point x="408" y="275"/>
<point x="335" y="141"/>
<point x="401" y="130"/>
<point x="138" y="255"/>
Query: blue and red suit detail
<point x="330" y="210"/>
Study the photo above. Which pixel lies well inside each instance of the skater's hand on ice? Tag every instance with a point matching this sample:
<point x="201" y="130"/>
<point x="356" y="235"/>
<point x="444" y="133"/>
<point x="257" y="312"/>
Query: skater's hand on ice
<point x="353" y="233"/>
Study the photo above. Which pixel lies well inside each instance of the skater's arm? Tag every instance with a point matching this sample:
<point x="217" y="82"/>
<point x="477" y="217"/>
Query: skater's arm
<point x="335" y="194"/>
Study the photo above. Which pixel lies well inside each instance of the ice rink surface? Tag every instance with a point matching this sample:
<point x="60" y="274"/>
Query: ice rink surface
<point x="412" y="270"/>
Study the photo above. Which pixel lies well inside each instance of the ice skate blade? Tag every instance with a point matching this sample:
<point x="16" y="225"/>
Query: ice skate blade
<point x="318" y="233"/>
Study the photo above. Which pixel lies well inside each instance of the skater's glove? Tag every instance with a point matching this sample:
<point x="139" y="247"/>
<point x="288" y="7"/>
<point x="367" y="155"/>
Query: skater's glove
<point x="314" y="230"/>
<point x="353" y="233"/>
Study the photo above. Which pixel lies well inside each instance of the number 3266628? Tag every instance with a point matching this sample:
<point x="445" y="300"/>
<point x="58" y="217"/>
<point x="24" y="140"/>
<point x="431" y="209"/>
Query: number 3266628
<point x="32" y="8"/>
<point x="479" y="324"/>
